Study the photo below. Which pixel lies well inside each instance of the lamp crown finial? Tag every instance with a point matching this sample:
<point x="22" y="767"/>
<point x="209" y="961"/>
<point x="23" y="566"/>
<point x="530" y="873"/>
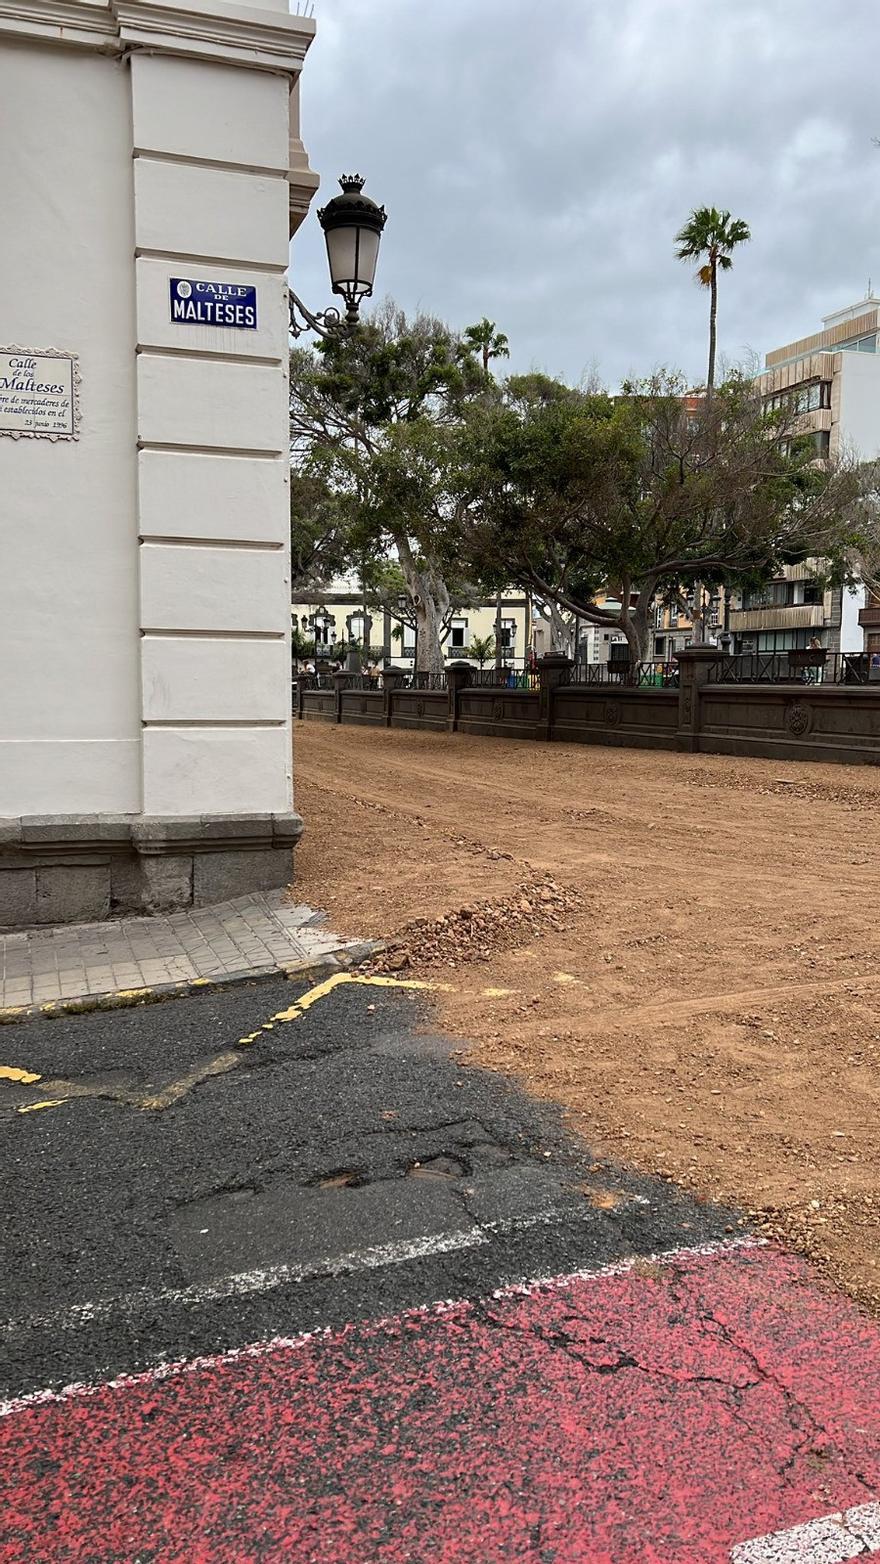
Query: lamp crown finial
<point x="351" y="183"/>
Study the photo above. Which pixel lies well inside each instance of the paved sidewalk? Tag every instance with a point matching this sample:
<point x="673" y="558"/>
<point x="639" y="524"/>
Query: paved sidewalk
<point x="116" y="961"/>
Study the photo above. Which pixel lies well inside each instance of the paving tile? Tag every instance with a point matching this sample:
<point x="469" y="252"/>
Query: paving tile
<point x="251" y="933"/>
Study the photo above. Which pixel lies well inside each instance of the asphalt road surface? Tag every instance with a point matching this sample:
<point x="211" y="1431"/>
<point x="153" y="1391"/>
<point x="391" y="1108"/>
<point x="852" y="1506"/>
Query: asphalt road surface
<point x="283" y="1280"/>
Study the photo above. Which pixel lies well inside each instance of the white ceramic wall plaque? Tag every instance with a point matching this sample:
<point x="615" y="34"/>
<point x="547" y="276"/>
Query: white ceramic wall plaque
<point x="39" y="394"/>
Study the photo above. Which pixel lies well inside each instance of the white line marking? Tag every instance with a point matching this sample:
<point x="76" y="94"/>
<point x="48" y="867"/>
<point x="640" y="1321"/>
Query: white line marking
<point x="524" y="1288"/>
<point x="847" y="1534"/>
<point x="264" y="1279"/>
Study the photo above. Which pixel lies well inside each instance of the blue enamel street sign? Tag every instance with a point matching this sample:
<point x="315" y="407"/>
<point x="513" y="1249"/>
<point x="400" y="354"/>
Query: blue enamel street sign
<point x="213" y="304"/>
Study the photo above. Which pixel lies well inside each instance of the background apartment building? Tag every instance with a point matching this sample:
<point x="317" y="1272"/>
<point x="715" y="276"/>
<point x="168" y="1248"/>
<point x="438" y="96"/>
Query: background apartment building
<point x="831" y="381"/>
<point x="673" y="623"/>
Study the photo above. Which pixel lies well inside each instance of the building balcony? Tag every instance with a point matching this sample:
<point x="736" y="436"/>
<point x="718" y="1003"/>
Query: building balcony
<point x="813" y="422"/>
<point x="801" y="616"/>
<point x="869" y="617"/>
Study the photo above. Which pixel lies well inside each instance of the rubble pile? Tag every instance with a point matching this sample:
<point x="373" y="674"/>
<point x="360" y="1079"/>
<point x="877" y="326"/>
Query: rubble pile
<point x="473" y="933"/>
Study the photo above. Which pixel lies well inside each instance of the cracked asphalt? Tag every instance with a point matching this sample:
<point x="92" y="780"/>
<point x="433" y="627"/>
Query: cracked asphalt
<point x="350" y="1128"/>
<point x="245" y="1277"/>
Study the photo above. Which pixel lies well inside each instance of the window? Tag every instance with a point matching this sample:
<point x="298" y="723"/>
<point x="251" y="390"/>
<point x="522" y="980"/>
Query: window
<point x="659" y="645"/>
<point x="781" y="640"/>
<point x="822" y="444"/>
<point x="866" y="344"/>
<point x="812" y="592"/>
<point x="508" y="634"/>
<point x="802" y="399"/>
<point x="458" y="635"/>
<point x="321" y="625"/>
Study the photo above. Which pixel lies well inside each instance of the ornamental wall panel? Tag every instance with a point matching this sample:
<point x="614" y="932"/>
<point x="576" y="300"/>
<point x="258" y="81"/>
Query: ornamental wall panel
<point x="218" y="113"/>
<point x="231" y="590"/>
<point x="218" y="213"/>
<point x="200" y="494"/>
<point x="197" y="402"/>
<point x="218" y="766"/>
<point x="190" y="679"/>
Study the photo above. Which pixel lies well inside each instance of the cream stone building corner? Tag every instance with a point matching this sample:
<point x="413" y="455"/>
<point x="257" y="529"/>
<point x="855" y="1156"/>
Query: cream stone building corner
<point x="145" y="757"/>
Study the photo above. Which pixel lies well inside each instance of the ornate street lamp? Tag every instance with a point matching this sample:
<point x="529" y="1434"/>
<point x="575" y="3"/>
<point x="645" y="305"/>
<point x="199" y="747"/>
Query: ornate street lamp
<point x="352" y="225"/>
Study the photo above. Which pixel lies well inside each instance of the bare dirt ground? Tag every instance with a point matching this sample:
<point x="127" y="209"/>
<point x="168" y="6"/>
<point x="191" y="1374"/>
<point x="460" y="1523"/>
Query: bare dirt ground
<point x="681" y="949"/>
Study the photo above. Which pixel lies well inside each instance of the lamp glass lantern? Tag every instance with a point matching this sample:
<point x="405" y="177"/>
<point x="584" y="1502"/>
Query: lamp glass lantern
<point x="352" y="225"/>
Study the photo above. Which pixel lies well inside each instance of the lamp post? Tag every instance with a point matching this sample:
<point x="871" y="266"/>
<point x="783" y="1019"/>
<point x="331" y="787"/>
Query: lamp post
<point x="352" y="225"/>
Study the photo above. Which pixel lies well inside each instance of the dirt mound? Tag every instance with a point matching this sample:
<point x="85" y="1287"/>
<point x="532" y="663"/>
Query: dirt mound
<point x="473" y="933"/>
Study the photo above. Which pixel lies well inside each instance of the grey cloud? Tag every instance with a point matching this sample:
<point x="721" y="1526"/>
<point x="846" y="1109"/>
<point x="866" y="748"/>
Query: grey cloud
<point x="537" y="160"/>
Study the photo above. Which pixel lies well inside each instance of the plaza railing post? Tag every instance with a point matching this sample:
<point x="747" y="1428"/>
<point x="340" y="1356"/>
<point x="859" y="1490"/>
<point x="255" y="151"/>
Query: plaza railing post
<point x="694" y="664"/>
<point x="458" y="677"/>
<point x="554" y="669"/>
<point x="341" y="682"/>
<point x="392" y="679"/>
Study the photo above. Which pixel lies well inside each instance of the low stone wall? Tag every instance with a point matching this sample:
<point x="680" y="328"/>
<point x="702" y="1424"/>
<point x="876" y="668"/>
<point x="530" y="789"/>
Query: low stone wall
<point x="499" y="712"/>
<point x="790" y="721"/>
<point x="419" y="709"/>
<point x="365" y="708"/>
<point x="611" y="714"/>
<point x="316" y="705"/>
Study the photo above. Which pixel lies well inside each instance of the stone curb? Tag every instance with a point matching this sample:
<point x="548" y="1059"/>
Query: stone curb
<point x="342" y="960"/>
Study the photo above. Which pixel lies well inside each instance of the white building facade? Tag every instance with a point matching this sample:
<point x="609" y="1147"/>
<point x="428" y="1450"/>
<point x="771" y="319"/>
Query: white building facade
<point x="332" y="616"/>
<point x="153" y="177"/>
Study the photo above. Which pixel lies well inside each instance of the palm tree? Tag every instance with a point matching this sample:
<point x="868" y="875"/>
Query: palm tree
<point x="483" y="338"/>
<point x="482" y="647"/>
<point x="715" y="235"/>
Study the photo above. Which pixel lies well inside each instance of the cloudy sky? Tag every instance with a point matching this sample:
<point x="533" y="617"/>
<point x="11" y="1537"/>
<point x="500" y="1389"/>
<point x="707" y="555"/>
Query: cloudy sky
<point x="537" y="159"/>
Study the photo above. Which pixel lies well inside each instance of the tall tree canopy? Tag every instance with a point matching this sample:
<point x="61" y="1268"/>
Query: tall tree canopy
<point x="373" y="413"/>
<point x="573" y="492"/>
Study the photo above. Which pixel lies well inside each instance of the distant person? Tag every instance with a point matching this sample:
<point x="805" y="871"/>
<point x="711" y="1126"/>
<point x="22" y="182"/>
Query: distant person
<point x="310" y="667"/>
<point x="813" y="675"/>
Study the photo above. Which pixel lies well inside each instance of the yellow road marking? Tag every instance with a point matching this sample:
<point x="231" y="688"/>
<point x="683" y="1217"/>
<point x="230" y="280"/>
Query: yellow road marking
<point x="229" y="1059"/>
<point x="181" y="1087"/>
<point x="321" y="990"/>
<point x="497" y="993"/>
<point x="8" y="1072"/>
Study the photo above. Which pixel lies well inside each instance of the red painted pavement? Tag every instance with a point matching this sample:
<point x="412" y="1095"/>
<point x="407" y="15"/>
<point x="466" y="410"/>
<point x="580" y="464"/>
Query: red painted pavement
<point x="658" y="1416"/>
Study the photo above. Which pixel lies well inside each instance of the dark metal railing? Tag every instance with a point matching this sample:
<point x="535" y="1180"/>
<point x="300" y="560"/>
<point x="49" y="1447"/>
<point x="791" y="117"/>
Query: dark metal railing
<point x="362" y="681"/>
<point x="423" y="681"/>
<point x="794" y="667"/>
<point x="648" y="675"/>
<point x="314" y="681"/>
<point x="506" y="678"/>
